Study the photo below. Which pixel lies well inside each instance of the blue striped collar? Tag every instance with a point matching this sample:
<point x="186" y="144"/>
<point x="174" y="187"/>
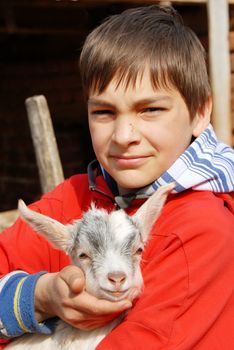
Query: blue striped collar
<point x="206" y="164"/>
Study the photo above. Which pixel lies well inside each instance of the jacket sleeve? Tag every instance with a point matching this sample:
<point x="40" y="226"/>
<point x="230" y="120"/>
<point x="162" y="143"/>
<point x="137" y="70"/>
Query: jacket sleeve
<point x="24" y="256"/>
<point x="188" y="299"/>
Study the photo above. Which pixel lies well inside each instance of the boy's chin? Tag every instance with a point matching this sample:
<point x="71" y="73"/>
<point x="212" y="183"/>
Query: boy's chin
<point x="131" y="181"/>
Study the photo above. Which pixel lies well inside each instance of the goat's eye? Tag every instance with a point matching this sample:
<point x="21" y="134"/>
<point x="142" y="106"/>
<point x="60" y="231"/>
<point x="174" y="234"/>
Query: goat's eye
<point x="139" y="251"/>
<point x="83" y="256"/>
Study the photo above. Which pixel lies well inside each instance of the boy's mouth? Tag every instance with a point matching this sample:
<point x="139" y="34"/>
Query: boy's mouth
<point x="129" y="161"/>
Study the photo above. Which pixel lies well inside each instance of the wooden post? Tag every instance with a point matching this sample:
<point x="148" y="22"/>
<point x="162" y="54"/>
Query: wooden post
<point x="44" y="141"/>
<point x="220" y="72"/>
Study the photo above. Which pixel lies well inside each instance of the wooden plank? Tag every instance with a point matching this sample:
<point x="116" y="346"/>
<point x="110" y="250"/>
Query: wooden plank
<point x="87" y="3"/>
<point x="220" y="71"/>
<point x="232" y="62"/>
<point x="47" y="31"/>
<point x="46" y="149"/>
<point x="232" y="83"/>
<point x="231" y="41"/>
<point x="74" y="3"/>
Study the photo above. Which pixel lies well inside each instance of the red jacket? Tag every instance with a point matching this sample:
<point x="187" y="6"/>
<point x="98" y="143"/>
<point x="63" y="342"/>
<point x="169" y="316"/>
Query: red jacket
<point x="188" y="267"/>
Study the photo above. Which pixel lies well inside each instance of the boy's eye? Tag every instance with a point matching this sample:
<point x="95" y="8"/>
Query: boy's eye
<point x="102" y="115"/>
<point x="152" y="109"/>
<point x="102" y="112"/>
<point x="150" y="113"/>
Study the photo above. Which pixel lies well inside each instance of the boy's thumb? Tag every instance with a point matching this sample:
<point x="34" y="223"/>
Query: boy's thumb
<point x="74" y="277"/>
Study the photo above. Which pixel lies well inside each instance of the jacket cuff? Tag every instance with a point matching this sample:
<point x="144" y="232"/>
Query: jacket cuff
<point x="17" y="311"/>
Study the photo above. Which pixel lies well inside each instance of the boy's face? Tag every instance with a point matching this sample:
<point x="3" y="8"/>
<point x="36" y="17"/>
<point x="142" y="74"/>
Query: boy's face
<point x="139" y="132"/>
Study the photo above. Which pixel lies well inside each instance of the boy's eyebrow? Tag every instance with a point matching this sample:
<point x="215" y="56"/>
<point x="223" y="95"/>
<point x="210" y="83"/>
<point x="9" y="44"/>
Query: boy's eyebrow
<point x="99" y="102"/>
<point x="153" y="99"/>
<point x="148" y="100"/>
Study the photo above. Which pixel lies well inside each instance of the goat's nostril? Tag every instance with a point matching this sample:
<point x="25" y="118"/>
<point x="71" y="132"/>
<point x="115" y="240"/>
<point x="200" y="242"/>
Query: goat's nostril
<point x="116" y="277"/>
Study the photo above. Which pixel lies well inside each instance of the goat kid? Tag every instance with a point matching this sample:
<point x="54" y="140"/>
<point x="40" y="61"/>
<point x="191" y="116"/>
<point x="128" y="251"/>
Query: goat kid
<point x="107" y="247"/>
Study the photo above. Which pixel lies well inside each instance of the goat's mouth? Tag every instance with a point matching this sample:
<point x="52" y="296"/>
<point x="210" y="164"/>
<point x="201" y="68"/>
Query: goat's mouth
<point x="114" y="294"/>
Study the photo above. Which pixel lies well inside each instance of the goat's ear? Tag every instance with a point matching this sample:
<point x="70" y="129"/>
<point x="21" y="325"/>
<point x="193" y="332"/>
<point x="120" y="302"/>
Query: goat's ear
<point x="54" y="231"/>
<point x="148" y="213"/>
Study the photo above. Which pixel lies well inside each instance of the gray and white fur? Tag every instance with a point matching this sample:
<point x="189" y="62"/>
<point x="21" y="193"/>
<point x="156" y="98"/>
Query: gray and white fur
<point x="107" y="247"/>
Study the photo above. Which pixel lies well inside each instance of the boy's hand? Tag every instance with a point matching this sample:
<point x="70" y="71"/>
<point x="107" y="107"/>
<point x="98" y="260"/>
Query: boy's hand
<point x="62" y="294"/>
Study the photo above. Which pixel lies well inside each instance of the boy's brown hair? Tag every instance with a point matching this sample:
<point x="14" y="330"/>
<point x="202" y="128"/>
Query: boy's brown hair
<point x="151" y="37"/>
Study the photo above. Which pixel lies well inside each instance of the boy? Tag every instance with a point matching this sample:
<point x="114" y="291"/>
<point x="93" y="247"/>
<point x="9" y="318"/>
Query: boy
<point x="149" y="106"/>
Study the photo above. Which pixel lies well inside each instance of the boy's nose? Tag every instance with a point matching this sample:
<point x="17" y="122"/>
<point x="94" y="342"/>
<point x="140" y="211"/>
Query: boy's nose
<point x="125" y="132"/>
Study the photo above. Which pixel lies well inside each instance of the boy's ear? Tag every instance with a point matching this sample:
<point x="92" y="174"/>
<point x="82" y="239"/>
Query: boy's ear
<point x="202" y="118"/>
<point x="57" y="233"/>
<point x="148" y="213"/>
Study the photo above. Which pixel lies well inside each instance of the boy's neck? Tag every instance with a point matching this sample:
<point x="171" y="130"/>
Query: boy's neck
<point x="123" y="191"/>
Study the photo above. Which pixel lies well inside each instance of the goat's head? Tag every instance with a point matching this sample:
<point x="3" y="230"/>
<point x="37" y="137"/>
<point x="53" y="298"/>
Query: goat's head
<point x="106" y="246"/>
